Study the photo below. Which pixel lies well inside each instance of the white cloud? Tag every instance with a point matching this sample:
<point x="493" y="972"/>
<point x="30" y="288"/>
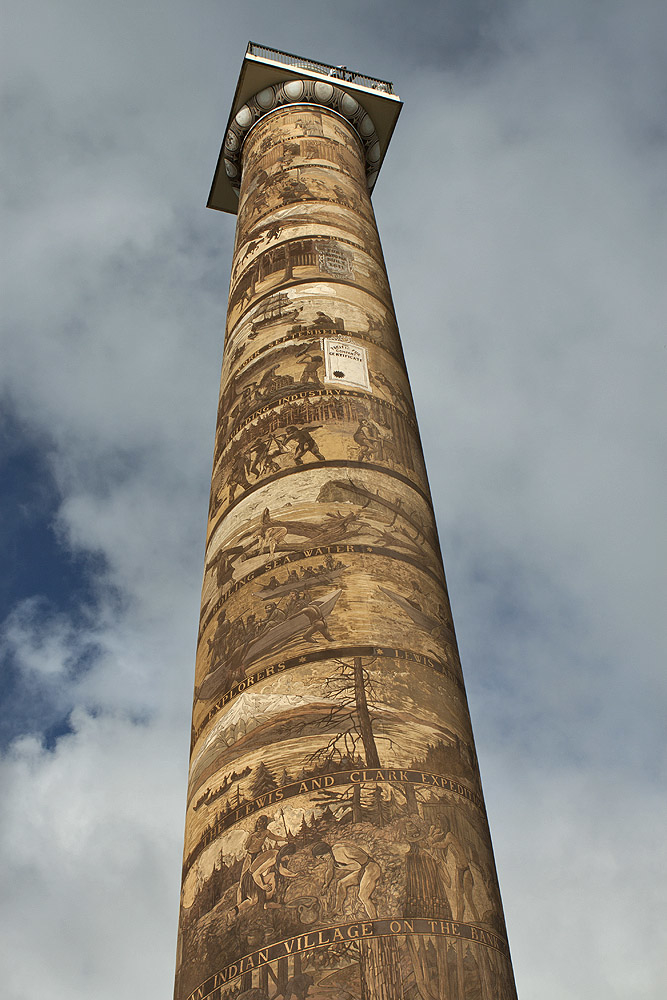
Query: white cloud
<point x="90" y="831"/>
<point x="583" y="881"/>
<point x="41" y="643"/>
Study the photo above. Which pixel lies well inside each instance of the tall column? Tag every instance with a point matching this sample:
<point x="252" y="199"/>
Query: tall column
<point x="336" y="841"/>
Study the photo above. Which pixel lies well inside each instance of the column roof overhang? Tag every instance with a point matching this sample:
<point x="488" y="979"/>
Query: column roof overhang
<point x="263" y="67"/>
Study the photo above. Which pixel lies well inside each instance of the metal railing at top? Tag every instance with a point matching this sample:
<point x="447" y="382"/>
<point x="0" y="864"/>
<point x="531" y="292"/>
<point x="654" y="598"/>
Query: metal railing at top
<point x="339" y="72"/>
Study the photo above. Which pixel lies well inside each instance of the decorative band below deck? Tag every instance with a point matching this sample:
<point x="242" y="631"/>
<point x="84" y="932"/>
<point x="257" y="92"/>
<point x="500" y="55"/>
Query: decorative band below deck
<point x="323" y="783"/>
<point x="353" y="932"/>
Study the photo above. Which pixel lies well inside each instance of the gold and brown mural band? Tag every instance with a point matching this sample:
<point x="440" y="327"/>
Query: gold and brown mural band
<point x="336" y="842"/>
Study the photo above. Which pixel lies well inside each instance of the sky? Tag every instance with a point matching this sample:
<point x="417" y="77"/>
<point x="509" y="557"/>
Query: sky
<point x="522" y="209"/>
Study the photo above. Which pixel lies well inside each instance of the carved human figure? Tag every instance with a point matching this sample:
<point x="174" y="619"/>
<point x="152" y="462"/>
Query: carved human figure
<point x="367" y="437"/>
<point x="268" y="871"/>
<point x="352" y="867"/>
<point x="318" y="623"/>
<point x="264" y="458"/>
<point x="304" y="442"/>
<point x="237" y="475"/>
<point x="255" y="845"/>
<point x="312" y="363"/>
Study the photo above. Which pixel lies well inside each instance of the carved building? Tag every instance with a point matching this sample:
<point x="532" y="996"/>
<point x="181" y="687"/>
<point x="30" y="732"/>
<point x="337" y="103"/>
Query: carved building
<point x="336" y="842"/>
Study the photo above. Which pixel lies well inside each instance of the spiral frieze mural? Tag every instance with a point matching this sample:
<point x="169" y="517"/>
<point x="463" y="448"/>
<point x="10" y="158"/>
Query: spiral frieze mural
<point x="336" y="843"/>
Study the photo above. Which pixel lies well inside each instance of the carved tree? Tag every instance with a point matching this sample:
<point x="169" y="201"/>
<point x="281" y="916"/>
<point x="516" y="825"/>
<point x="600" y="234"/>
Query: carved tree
<point x="352" y="716"/>
<point x="262" y="781"/>
<point x="380" y="968"/>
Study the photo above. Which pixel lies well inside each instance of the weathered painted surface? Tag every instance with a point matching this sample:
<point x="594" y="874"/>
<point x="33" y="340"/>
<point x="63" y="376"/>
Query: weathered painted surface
<point x="336" y="841"/>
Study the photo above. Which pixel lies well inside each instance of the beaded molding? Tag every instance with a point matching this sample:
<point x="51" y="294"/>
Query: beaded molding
<point x="300" y="92"/>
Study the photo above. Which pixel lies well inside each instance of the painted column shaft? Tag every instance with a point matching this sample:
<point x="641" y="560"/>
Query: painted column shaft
<point x="336" y="841"/>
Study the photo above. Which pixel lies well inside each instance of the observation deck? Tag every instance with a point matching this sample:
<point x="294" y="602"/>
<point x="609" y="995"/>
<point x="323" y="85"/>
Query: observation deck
<point x="264" y="67"/>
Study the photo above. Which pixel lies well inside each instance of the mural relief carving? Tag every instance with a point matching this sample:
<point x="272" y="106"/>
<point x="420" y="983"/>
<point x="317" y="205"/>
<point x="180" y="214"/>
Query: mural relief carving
<point x="284" y="316"/>
<point x="341" y="427"/>
<point x="351" y="865"/>
<point x="336" y="843"/>
<point x="299" y="260"/>
<point x="292" y="222"/>
<point x="303" y="363"/>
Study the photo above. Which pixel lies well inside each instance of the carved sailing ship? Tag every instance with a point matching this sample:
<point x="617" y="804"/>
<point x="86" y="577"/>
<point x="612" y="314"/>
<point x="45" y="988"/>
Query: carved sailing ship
<point x="272" y="313"/>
